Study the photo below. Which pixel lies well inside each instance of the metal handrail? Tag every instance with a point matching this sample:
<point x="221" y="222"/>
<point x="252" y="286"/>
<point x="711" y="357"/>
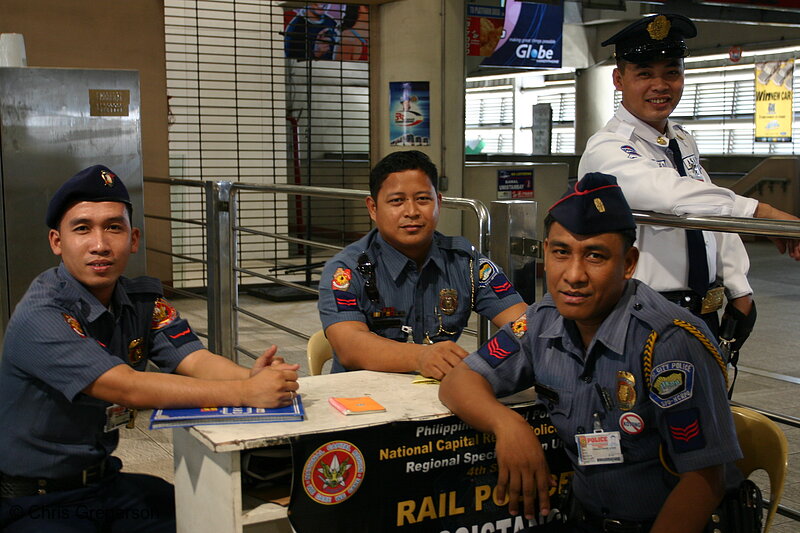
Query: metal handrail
<point x="751" y="226"/>
<point x="464" y="204"/>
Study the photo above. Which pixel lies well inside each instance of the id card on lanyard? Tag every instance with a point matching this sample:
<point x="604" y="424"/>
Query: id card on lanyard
<point x="599" y="448"/>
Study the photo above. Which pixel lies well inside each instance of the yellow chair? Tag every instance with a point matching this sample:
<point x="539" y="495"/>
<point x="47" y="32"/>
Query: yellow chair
<point x="318" y="350"/>
<point x="764" y="446"/>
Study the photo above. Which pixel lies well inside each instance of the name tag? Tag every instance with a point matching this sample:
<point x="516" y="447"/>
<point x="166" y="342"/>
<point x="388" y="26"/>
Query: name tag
<point x="599" y="448"/>
<point x="117" y="416"/>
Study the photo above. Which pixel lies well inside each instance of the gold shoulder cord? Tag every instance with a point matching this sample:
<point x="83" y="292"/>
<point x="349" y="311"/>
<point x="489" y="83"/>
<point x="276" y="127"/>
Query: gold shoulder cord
<point x="471" y="285"/>
<point x="647" y="368"/>
<point x="705" y="342"/>
<point x="647" y="357"/>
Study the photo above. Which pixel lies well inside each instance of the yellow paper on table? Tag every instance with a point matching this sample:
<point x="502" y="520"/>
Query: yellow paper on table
<point x="420" y="379"/>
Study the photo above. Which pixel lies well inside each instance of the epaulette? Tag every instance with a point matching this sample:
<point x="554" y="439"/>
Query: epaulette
<point x="626" y="129"/>
<point x="142" y="284"/>
<point x="680" y="128"/>
<point x="455" y="242"/>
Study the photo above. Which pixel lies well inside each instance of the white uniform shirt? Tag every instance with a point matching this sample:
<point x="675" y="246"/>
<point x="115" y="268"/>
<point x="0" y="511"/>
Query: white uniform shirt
<point x="630" y="149"/>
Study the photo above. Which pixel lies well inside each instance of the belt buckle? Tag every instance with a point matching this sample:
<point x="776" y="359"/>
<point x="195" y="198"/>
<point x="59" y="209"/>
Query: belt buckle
<point x="619" y="526"/>
<point x="712" y="301"/>
<point x="609" y="524"/>
<point x="92" y="474"/>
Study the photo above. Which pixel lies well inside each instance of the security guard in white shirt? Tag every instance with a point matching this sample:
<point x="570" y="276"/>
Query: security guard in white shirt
<point x="657" y="164"/>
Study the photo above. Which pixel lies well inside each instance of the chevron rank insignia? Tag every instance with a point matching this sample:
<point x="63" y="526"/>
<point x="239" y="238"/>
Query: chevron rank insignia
<point x="498" y="349"/>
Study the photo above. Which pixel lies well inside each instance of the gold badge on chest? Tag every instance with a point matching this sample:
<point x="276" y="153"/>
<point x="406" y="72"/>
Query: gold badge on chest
<point x="448" y="301"/>
<point x="136" y="351"/>
<point x="626" y="390"/>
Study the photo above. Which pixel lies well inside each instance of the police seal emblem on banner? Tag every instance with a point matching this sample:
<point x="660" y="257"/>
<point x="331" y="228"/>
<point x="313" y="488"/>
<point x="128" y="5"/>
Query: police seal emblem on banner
<point x="333" y="472"/>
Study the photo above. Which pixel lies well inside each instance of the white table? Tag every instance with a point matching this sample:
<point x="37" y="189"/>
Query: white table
<point x="208" y="484"/>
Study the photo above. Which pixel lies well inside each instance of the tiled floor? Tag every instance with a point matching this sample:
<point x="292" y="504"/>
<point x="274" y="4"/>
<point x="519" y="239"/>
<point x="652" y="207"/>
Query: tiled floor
<point x="772" y="349"/>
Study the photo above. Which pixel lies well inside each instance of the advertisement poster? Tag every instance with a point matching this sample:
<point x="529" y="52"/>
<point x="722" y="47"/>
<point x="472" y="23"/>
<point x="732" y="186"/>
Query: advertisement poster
<point x="514" y="184"/>
<point x="321" y="31"/>
<point x="409" y="109"/>
<point x="773" y="115"/>
<point x="434" y="476"/>
<point x="532" y="36"/>
<point x="484" y="29"/>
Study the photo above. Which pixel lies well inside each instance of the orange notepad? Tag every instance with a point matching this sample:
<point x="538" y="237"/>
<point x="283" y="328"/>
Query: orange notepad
<point x="356" y="406"/>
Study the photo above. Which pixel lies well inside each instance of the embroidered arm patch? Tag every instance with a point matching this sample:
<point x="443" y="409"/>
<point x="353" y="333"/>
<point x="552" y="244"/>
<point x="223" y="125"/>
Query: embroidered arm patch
<point x="163" y="314"/>
<point x="180" y="333"/>
<point x="498" y="349"/>
<point x="520" y="326"/>
<point x="685" y="431"/>
<point x="345" y="301"/>
<point x="341" y="279"/>
<point x="671" y="383"/>
<point x="486" y="271"/>
<point x="501" y="286"/>
<point x="630" y="150"/>
<point x="73" y="323"/>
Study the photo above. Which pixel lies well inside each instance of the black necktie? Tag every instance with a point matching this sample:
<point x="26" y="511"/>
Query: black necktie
<point x="696" y="247"/>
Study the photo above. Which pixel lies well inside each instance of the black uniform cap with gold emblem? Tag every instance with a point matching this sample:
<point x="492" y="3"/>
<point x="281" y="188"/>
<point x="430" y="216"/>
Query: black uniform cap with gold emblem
<point x="653" y="38"/>
<point x="94" y="184"/>
<point x="595" y="205"/>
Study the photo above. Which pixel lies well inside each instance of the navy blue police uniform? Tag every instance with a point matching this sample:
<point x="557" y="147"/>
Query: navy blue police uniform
<point x="372" y="282"/>
<point x="650" y="379"/>
<point x="58" y="473"/>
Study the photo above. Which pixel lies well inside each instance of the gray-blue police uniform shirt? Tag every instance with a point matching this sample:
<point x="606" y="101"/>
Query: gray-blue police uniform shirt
<point x="435" y="301"/>
<point x="58" y="341"/>
<point x="686" y="408"/>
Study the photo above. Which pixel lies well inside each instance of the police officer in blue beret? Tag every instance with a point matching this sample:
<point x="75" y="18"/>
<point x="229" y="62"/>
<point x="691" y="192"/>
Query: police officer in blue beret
<point x="621" y="371"/>
<point x="72" y="373"/>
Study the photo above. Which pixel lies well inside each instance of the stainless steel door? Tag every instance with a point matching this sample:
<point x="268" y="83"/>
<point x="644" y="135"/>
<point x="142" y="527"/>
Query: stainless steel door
<point x="53" y="123"/>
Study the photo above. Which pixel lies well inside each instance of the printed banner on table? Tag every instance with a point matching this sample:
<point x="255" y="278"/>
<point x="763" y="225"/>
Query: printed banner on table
<point x="409" y="108"/>
<point x="532" y="36"/>
<point x="773" y="114"/>
<point x="514" y="184"/>
<point x="435" y="476"/>
<point x="484" y="29"/>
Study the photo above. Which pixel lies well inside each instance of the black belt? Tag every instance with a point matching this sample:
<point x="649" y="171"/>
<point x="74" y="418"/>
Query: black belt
<point x="688" y="299"/>
<point x="16" y="486"/>
<point x="611" y="525"/>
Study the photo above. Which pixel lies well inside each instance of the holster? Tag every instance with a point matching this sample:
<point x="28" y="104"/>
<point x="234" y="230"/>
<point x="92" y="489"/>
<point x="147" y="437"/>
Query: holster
<point x="739" y="512"/>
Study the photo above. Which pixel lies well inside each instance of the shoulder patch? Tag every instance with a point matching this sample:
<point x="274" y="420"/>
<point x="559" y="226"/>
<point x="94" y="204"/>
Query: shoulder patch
<point x="671" y="383"/>
<point x="163" y="314"/>
<point x="685" y="430"/>
<point x="73" y="323"/>
<point x="520" y="326"/>
<point x="341" y="279"/>
<point x="346" y="301"/>
<point x="501" y="286"/>
<point x="630" y="150"/>
<point x="486" y="271"/>
<point x="498" y="349"/>
<point x="179" y="334"/>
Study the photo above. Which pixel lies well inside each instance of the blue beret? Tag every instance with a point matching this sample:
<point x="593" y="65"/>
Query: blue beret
<point x="94" y="184"/>
<point x="653" y="38"/>
<point x="595" y="205"/>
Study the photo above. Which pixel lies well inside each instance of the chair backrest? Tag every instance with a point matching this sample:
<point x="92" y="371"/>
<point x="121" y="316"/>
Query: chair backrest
<point x="764" y="446"/>
<point x="318" y="350"/>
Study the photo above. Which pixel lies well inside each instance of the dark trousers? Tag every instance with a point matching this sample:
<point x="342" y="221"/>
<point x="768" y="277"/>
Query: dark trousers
<point x="121" y="503"/>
